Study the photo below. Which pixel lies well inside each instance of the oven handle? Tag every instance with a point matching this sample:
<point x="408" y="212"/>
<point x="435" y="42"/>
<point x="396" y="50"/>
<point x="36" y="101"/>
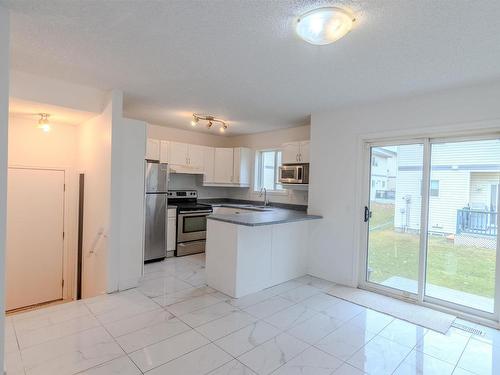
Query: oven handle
<point x="194" y="213"/>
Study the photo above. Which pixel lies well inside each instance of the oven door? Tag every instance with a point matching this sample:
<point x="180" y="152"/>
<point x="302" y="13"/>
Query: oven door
<point x="192" y="225"/>
<point x="291" y="174"/>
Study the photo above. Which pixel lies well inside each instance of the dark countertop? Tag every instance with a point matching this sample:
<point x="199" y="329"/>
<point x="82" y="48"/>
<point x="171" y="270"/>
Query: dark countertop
<point x="256" y="218"/>
<point x="231" y="201"/>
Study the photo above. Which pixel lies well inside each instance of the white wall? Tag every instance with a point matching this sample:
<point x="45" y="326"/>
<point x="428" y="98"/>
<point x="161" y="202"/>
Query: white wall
<point x="111" y="155"/>
<point x="57" y="149"/>
<point x="4" y="109"/>
<point x="127" y="199"/>
<point x="94" y="156"/>
<point x="131" y="205"/>
<point x="336" y="168"/>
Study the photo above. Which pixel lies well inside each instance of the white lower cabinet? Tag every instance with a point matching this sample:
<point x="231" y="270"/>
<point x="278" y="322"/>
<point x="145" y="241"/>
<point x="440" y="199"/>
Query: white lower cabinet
<point x="241" y="259"/>
<point x="171" y="229"/>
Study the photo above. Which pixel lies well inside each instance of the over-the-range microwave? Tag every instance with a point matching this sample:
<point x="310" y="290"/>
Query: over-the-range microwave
<point x="294" y="173"/>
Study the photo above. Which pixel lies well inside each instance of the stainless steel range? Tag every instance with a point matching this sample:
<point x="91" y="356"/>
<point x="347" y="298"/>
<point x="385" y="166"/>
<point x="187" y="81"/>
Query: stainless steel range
<point x="191" y="221"/>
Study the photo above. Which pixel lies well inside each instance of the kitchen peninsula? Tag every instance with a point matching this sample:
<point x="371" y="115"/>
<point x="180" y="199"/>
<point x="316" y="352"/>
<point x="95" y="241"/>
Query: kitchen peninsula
<point x="250" y="249"/>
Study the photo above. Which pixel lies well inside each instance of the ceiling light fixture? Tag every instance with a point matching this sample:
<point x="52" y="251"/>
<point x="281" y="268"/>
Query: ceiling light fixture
<point x="194" y="121"/>
<point x="43" y="122"/>
<point x="324" y="25"/>
<point x="210" y="121"/>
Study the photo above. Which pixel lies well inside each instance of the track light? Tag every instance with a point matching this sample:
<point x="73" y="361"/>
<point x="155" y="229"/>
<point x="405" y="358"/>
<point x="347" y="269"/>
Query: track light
<point x="210" y="121"/>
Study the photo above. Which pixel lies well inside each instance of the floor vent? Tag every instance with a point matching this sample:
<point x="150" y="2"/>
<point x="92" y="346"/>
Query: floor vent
<point x="463" y="327"/>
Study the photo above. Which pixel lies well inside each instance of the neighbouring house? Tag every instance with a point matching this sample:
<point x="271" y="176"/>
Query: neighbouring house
<point x="383" y="174"/>
<point x="463" y="191"/>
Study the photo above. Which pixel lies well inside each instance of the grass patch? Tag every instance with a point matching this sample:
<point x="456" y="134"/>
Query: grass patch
<point x="464" y="268"/>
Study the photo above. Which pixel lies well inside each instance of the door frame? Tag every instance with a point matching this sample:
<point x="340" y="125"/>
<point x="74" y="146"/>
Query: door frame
<point x="420" y="298"/>
<point x="70" y="240"/>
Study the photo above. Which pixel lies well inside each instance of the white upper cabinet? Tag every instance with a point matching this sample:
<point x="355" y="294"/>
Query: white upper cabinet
<point x="295" y="152"/>
<point x="164" y="148"/>
<point x="152" y="149"/>
<point x="290" y="152"/>
<point x="223" y="169"/>
<point x="242" y="163"/>
<point x="230" y="166"/>
<point x="219" y="166"/>
<point x="196" y="157"/>
<point x="304" y="152"/>
<point x="191" y="157"/>
<point x="178" y="153"/>
<point x="208" y="176"/>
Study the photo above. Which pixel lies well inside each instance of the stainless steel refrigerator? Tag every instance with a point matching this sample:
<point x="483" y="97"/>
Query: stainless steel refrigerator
<point x="156" y="187"/>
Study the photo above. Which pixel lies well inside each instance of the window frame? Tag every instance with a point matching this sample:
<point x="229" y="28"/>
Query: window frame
<point x="259" y="172"/>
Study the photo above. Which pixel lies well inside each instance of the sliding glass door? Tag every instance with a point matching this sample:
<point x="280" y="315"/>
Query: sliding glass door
<point x="395" y="210"/>
<point x="462" y="225"/>
<point x="449" y="188"/>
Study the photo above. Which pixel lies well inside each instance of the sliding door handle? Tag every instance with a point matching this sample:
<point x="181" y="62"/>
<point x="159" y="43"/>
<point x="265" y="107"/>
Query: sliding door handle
<point x="368" y="214"/>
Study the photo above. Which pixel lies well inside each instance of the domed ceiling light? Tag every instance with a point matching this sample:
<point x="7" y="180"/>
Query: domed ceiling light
<point x="324" y="25"/>
<point x="210" y="121"/>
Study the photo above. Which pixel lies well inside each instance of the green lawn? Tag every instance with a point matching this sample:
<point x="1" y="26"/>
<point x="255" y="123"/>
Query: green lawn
<point x="468" y="269"/>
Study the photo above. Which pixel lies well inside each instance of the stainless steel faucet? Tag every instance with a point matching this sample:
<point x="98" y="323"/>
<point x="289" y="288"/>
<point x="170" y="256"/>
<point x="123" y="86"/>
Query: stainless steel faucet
<point x="266" y="201"/>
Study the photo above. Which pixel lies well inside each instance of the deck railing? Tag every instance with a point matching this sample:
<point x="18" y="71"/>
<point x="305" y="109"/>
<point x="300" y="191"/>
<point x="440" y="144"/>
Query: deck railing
<point x="477" y="222"/>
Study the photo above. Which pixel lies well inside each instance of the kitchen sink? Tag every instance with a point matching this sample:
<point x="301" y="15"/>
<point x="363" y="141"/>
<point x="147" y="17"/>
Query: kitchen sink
<point x="261" y="208"/>
<point x="249" y="207"/>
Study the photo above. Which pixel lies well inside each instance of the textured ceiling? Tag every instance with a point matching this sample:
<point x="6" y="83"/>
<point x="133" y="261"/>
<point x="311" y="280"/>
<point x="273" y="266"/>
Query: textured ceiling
<point x="241" y="60"/>
<point x="60" y="115"/>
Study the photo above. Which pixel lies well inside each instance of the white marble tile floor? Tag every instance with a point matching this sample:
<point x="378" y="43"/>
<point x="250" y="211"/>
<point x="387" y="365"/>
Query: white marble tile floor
<point x="173" y="323"/>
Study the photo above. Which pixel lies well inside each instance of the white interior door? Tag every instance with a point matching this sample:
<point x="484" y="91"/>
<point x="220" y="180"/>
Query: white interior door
<point x="35" y="226"/>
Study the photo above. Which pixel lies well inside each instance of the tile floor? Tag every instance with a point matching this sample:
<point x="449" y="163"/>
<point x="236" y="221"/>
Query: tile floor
<point x="174" y="324"/>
